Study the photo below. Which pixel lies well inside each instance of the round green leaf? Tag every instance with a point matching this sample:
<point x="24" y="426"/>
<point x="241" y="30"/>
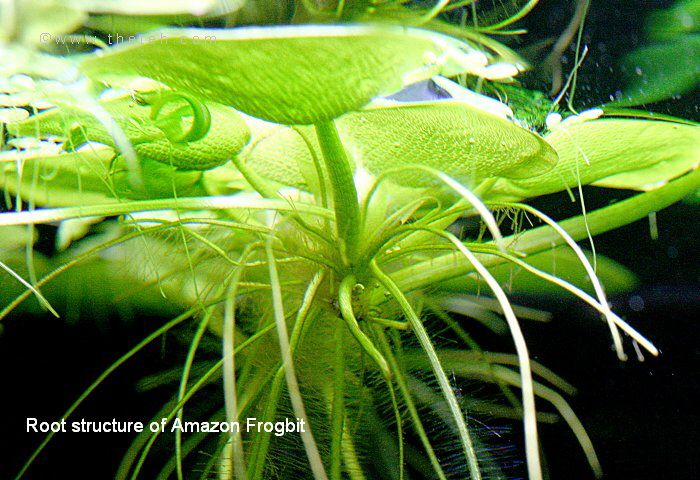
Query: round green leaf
<point x="291" y="75"/>
<point x="459" y="139"/>
<point x="283" y="156"/>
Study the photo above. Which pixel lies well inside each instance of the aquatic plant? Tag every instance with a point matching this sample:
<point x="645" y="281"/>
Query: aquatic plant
<point x="271" y="186"/>
<point x="667" y="67"/>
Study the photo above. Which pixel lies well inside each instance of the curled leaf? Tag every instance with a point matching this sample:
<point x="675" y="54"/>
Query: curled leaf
<point x="159" y="139"/>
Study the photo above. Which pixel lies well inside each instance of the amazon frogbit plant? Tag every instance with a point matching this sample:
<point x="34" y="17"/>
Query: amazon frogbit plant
<point x="283" y="198"/>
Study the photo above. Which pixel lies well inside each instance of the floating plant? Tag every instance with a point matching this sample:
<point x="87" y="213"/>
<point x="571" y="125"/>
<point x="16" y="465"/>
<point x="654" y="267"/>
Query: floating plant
<point x="270" y="189"/>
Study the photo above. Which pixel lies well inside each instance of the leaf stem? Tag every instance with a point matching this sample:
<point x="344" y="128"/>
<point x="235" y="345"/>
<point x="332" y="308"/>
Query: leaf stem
<point x="223" y="202"/>
<point x="345" y="202"/>
<point x="539" y="239"/>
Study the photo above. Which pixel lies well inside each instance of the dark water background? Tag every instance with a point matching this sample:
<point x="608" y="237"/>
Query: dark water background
<point x="642" y="417"/>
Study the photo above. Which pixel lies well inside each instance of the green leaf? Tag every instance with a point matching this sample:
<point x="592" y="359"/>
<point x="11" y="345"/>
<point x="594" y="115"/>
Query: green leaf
<point x="123" y="19"/>
<point x="16" y="237"/>
<point x="13" y="114"/>
<point x="158" y="7"/>
<point x="225" y="138"/>
<point x="561" y="262"/>
<point x="90" y="175"/>
<point x="463" y="141"/>
<point x="290" y="75"/>
<point x="121" y="27"/>
<point x="20" y="59"/>
<point x="459" y="139"/>
<point x="74" y="293"/>
<point x="646" y="179"/>
<point x="159" y="180"/>
<point x="659" y="71"/>
<point x="44" y="21"/>
<point x="67" y="179"/>
<point x="280" y="154"/>
<point x="654" y="151"/>
<point x="683" y="17"/>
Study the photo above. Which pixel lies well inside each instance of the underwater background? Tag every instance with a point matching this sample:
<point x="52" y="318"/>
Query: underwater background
<point x="643" y="417"/>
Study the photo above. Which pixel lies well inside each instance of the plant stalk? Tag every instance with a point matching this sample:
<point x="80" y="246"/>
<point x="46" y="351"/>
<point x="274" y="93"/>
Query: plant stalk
<point x="345" y="202"/>
<point x="448" y="266"/>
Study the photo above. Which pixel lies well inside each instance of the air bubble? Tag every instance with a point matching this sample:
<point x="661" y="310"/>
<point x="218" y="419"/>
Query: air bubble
<point x="636" y="303"/>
